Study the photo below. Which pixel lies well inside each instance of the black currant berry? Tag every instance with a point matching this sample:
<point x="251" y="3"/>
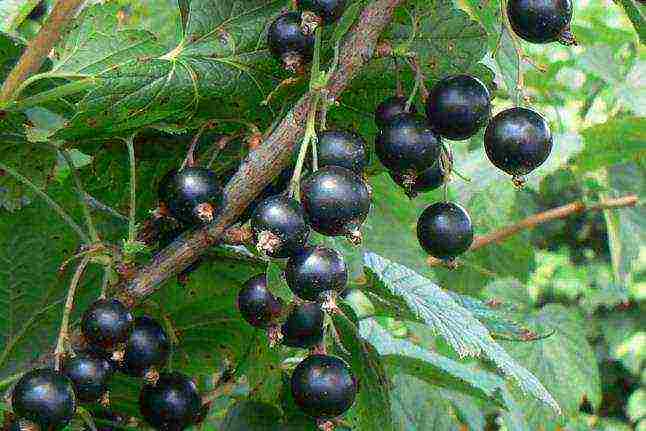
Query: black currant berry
<point x="340" y="148"/>
<point x="192" y="195"/>
<point x="323" y="386"/>
<point x="258" y="306"/>
<point x="408" y="144"/>
<point x="425" y="181"/>
<point x="89" y="375"/>
<point x="38" y="12"/>
<point x="336" y="201"/>
<point x="444" y="230"/>
<point x="304" y="326"/>
<point x="314" y="271"/>
<point x="147" y="347"/>
<point x="458" y="107"/>
<point x="327" y="10"/>
<point x="106" y="323"/>
<point x="390" y="109"/>
<point x="279" y="227"/>
<point x="45" y="397"/>
<point x="288" y="42"/>
<point x="517" y="141"/>
<point x="173" y="403"/>
<point x="541" y="21"/>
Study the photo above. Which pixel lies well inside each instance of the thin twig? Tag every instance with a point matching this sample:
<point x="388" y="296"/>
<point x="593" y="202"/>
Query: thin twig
<point x="132" y="224"/>
<point x="64" y="335"/>
<point x="545" y="217"/>
<point x="61" y="212"/>
<point x="189" y="160"/>
<point x="97" y="205"/>
<point x="81" y="192"/>
<point x="40" y="46"/>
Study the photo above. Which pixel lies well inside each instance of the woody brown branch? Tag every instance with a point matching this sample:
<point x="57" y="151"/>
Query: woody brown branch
<point x="544" y="217"/>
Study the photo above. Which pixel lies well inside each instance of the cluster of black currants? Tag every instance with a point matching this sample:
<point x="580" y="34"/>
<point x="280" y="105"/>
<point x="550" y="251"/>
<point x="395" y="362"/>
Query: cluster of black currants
<point x="45" y="399"/>
<point x="517" y="141"/>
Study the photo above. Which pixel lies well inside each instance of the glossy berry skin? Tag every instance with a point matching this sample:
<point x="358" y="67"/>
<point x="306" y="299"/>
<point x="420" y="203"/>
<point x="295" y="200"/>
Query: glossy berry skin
<point x="444" y="230"/>
<point x="106" y="323"/>
<point x="323" y="386"/>
<point x="458" y="107"/>
<point x="314" y="271"/>
<point x="147" y="347"/>
<point x="344" y="149"/>
<point x="304" y="326"/>
<point x="518" y="140"/>
<point x="172" y="404"/>
<point x="328" y="10"/>
<point x="192" y="195"/>
<point x="89" y="375"/>
<point x="288" y="42"/>
<point x="540" y="21"/>
<point x="408" y="144"/>
<point x="44" y="397"/>
<point x="258" y="306"/>
<point x="279" y="227"/>
<point x="336" y="201"/>
<point x="426" y="181"/>
<point x="390" y="108"/>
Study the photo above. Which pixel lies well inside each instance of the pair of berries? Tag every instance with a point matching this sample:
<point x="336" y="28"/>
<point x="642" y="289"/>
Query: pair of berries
<point x="291" y="36"/>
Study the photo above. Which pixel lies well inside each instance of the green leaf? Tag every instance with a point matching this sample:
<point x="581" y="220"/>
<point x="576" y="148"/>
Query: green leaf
<point x="564" y="362"/>
<point x="14" y="12"/>
<point x="277" y="284"/>
<point x="252" y="416"/>
<point x="637" y="15"/>
<point x="428" y="303"/>
<point x="408" y="358"/>
<point x="618" y="140"/>
<point x="366" y="365"/>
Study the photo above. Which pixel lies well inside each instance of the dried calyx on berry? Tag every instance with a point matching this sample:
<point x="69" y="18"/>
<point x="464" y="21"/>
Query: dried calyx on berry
<point x="192" y="195"/>
<point x="326" y="10"/>
<point x="316" y="271"/>
<point x="289" y="42"/>
<point x="106" y="324"/>
<point x="279" y="227"/>
<point x="89" y="375"/>
<point x="304" y="326"/>
<point x="147" y="349"/>
<point x="44" y="397"/>
<point x="458" y="106"/>
<point x="444" y="230"/>
<point x="341" y="148"/>
<point x="172" y="403"/>
<point x="323" y="386"/>
<point x="425" y="181"/>
<point x="542" y="21"/>
<point x="336" y="201"/>
<point x="390" y="108"/>
<point x="517" y="141"/>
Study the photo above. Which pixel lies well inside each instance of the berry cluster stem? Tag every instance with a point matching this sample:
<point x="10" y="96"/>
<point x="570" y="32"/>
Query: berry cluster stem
<point x="132" y="226"/>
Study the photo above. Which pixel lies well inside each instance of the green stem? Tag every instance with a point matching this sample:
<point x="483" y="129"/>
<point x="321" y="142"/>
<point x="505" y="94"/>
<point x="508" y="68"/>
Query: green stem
<point x="132" y="227"/>
<point x="81" y="192"/>
<point x="310" y="133"/>
<point x="61" y="212"/>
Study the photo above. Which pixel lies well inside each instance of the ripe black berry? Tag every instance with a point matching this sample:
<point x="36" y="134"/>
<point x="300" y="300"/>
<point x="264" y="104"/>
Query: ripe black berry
<point x="304" y="326"/>
<point x="258" y="306"/>
<point x="458" y="107"/>
<point x="45" y="397"/>
<point x="444" y="230"/>
<point x="288" y="42"/>
<point x="314" y="271"/>
<point x="541" y="21"/>
<point x="390" y="109"/>
<point x="172" y="404"/>
<point x="336" y="202"/>
<point x="106" y="323"/>
<point x="328" y="10"/>
<point x="517" y="141"/>
<point x="408" y="144"/>
<point x="323" y="386"/>
<point x="192" y="195"/>
<point x="425" y="181"/>
<point x="89" y="375"/>
<point x="147" y="347"/>
<point x="279" y="227"/>
<point x="345" y="149"/>
<point x="38" y="12"/>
